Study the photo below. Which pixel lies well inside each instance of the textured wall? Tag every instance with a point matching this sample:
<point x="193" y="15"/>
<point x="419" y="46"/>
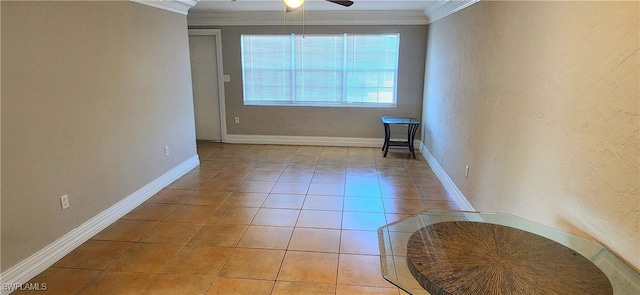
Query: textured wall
<point x="541" y="99"/>
<point x="329" y="121"/>
<point x="91" y="94"/>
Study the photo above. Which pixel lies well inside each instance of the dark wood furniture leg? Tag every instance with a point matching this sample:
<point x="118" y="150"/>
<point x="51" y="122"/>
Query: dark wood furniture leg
<point x="411" y="130"/>
<point x="387" y="135"/>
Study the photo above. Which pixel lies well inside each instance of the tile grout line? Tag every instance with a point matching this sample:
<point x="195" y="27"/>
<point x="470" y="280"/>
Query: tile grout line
<point x="328" y="169"/>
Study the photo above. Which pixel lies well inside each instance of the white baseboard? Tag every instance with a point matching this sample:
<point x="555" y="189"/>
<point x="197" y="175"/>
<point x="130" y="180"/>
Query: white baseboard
<point x="43" y="259"/>
<point x="308" y="140"/>
<point x="451" y="188"/>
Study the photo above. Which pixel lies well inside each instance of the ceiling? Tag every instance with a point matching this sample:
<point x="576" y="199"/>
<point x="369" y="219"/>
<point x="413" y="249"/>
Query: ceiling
<point x="319" y="12"/>
<point x="309" y="5"/>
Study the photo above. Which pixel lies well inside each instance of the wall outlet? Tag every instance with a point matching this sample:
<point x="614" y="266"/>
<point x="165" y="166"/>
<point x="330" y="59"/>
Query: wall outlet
<point x="166" y="150"/>
<point x="226" y="78"/>
<point x="237" y="120"/>
<point x="466" y="171"/>
<point x="64" y="202"/>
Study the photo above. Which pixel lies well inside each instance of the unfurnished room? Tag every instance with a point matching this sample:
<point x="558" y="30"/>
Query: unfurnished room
<point x="319" y="147"/>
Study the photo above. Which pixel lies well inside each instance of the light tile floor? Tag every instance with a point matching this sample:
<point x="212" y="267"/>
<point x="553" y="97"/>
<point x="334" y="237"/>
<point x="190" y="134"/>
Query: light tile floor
<point x="257" y="219"/>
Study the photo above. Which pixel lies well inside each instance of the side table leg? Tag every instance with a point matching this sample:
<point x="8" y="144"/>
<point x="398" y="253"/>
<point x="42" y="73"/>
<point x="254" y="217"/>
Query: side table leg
<point x="387" y="135"/>
<point x="412" y="135"/>
<point x="384" y="145"/>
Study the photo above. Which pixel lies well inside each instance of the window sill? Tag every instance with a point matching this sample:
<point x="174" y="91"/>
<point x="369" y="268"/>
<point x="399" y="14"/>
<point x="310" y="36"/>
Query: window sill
<point x="321" y="105"/>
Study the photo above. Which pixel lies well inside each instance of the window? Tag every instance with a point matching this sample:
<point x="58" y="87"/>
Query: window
<point x="320" y="70"/>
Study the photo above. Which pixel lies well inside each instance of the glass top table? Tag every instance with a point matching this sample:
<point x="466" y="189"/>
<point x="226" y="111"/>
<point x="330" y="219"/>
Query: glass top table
<point x="449" y="251"/>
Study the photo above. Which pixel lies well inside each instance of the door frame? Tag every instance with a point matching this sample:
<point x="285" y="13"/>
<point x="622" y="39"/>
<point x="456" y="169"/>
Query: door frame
<point x="217" y="33"/>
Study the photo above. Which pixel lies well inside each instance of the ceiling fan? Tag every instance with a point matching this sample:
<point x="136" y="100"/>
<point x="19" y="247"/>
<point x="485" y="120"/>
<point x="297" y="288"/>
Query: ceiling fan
<point x="292" y="5"/>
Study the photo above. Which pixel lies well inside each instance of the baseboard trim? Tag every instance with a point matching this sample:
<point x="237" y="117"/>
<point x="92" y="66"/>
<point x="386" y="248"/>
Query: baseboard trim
<point x="308" y="140"/>
<point x="304" y="140"/>
<point x="454" y="192"/>
<point x="43" y="259"/>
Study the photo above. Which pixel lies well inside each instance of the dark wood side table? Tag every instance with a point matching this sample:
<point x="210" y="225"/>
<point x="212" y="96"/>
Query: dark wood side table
<point x="412" y="126"/>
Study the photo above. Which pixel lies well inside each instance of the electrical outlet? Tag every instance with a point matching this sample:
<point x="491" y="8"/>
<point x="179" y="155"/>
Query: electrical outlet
<point x="226" y="78"/>
<point x="166" y="150"/>
<point x="64" y="202"/>
<point x="237" y="120"/>
<point x="466" y="171"/>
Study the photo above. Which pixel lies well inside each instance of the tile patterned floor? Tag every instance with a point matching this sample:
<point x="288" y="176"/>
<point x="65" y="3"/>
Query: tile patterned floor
<point x="257" y="219"/>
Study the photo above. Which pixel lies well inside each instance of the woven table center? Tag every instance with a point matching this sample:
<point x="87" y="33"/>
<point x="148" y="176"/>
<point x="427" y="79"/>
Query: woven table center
<point x="462" y="257"/>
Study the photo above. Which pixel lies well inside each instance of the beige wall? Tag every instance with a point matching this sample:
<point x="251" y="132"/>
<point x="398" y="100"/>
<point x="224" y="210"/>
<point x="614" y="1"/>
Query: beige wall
<point x="92" y="92"/>
<point x="541" y="99"/>
<point x="0" y="139"/>
<point x="330" y="121"/>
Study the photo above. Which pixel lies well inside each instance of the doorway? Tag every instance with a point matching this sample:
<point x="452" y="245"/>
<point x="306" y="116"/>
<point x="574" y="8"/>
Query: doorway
<point x="205" y="49"/>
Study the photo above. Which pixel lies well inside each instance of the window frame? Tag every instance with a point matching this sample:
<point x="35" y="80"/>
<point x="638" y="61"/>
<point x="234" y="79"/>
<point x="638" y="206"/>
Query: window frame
<point x="344" y="72"/>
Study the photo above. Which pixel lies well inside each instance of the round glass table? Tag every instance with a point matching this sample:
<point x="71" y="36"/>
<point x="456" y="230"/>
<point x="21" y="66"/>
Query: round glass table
<point x="456" y="252"/>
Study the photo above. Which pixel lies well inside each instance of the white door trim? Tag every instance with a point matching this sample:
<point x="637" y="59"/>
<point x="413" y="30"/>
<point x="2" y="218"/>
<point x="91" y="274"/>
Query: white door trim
<point x="217" y="33"/>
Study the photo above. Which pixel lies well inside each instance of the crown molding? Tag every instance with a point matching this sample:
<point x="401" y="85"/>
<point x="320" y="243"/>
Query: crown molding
<point x="311" y="18"/>
<point x="440" y="9"/>
<point x="177" y="6"/>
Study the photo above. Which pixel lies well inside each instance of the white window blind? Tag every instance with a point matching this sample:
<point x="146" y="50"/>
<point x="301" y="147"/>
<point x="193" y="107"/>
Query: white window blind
<point x="320" y="70"/>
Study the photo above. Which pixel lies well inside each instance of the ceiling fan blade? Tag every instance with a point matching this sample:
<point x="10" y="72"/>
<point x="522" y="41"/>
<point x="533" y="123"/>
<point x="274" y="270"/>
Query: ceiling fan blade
<point x="290" y="9"/>
<point x="343" y="3"/>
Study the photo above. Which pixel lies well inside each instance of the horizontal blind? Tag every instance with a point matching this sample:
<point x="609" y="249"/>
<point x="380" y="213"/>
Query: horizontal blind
<point x="320" y="69"/>
<point x="266" y="67"/>
<point x="371" y="68"/>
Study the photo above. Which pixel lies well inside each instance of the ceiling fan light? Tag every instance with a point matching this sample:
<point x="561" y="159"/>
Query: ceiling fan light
<point x="293" y="3"/>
